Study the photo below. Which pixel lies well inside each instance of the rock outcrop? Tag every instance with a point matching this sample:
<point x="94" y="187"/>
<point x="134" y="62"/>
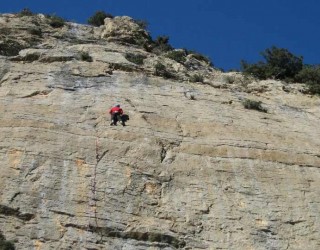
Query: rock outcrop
<point x="193" y="169"/>
<point x="124" y="29"/>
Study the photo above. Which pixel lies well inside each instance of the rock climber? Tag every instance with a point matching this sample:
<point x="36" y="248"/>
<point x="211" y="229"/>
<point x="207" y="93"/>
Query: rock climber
<point x="116" y="115"/>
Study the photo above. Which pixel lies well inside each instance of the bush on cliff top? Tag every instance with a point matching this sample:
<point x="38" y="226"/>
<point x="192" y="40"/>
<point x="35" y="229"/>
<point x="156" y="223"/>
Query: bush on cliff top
<point x="143" y="24"/>
<point x="98" y="18"/>
<point x="199" y="56"/>
<point x="177" y="55"/>
<point x="161" y="45"/>
<point x="283" y="65"/>
<point x="56" y="21"/>
<point x="25" y="12"/>
<point x="310" y="75"/>
<point x="279" y="64"/>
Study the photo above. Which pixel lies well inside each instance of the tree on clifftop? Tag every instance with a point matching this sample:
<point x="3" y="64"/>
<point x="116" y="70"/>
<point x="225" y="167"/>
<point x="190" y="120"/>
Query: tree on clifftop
<point x="98" y="18"/>
<point x="279" y="64"/>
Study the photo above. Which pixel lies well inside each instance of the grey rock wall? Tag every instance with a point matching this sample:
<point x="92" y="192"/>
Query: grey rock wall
<point x="186" y="172"/>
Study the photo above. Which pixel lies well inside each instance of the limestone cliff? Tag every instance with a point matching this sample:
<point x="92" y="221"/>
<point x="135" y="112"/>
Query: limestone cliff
<point x="193" y="169"/>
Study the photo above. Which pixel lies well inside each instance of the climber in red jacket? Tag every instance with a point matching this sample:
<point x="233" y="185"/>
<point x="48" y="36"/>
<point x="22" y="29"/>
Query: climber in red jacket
<point x="116" y="113"/>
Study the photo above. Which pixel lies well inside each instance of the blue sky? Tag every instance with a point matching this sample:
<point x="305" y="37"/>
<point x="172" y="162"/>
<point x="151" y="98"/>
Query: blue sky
<point x="226" y="31"/>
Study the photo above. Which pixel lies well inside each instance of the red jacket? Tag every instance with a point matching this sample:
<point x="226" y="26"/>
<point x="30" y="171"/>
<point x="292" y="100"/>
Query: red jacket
<point x="116" y="110"/>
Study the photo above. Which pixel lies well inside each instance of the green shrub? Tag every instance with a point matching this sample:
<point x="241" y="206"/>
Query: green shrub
<point x="25" y="12"/>
<point x="160" y="70"/>
<point x="4" y="31"/>
<point x="282" y="62"/>
<point x="279" y="64"/>
<point x="84" y="56"/>
<point x="138" y="39"/>
<point x="35" y="31"/>
<point x="142" y="23"/>
<point x="258" y="70"/>
<point x="310" y="75"/>
<point x="161" y="45"/>
<point x="55" y="21"/>
<point x="98" y="18"/>
<point x="196" y="78"/>
<point x="135" y="58"/>
<point x="5" y="244"/>
<point x="229" y="79"/>
<point x="162" y="40"/>
<point x="122" y="67"/>
<point x="256" y="105"/>
<point x="10" y="47"/>
<point x="177" y="55"/>
<point x="199" y="56"/>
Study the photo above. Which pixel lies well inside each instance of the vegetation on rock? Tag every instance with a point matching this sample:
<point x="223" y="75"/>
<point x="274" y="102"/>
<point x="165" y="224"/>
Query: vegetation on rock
<point x="256" y="105"/>
<point x="135" y="58"/>
<point x="229" y="79"/>
<point x="25" y="12"/>
<point x="98" y="18"/>
<point x="9" y="47"/>
<point x="310" y="75"/>
<point x="36" y="31"/>
<point x="283" y="65"/>
<point x="279" y="64"/>
<point x="160" y="70"/>
<point x="161" y="45"/>
<point x="56" y="21"/>
<point x="142" y="23"/>
<point x="196" y="78"/>
<point x="177" y="55"/>
<point x="5" y="244"/>
<point x="84" y="56"/>
<point x="199" y="56"/>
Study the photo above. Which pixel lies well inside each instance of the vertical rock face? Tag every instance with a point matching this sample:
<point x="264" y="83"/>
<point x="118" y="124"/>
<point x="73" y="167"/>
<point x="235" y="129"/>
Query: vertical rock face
<point x="192" y="169"/>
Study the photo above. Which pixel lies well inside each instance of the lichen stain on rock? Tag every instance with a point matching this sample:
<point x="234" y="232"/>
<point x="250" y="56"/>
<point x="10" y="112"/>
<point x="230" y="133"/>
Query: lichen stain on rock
<point x="82" y="167"/>
<point x="15" y="157"/>
<point x="261" y="222"/>
<point x="38" y="245"/>
<point x="128" y="173"/>
<point x="151" y="188"/>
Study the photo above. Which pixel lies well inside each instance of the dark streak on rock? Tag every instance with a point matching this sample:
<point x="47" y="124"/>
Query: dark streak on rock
<point x="62" y="213"/>
<point x="224" y="171"/>
<point x="35" y="93"/>
<point x="9" y="211"/>
<point x="14" y="196"/>
<point x="130" y="102"/>
<point x="294" y="222"/>
<point x="99" y="158"/>
<point x="163" y="154"/>
<point x="139" y="236"/>
<point x="267" y="231"/>
<point x="146" y="112"/>
<point x="124" y="67"/>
